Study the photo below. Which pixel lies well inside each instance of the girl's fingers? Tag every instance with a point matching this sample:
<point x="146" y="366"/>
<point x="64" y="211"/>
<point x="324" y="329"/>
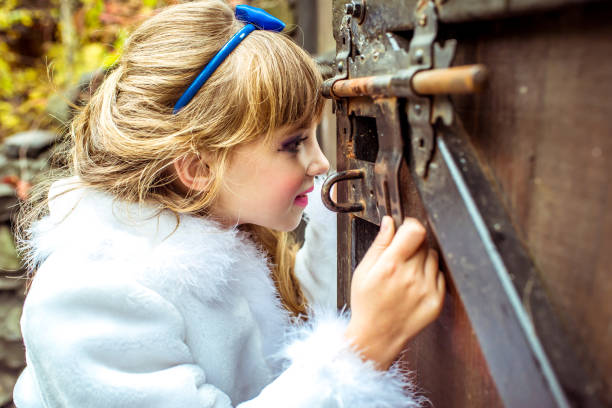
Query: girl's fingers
<point x="408" y="239"/>
<point x="441" y="284"/>
<point x="431" y="267"/>
<point x="380" y="243"/>
<point x="416" y="263"/>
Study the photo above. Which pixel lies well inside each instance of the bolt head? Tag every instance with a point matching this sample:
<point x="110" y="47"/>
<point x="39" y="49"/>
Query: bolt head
<point x="423" y="20"/>
<point x="354" y="8"/>
<point x="419" y="55"/>
<point x="340" y="66"/>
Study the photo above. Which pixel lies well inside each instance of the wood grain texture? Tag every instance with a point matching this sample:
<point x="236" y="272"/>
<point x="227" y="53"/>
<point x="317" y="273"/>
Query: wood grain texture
<point x="446" y="358"/>
<point x="542" y="132"/>
<point x="543" y="128"/>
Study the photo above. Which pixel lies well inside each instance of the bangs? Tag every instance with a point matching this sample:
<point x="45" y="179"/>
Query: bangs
<point x="280" y="82"/>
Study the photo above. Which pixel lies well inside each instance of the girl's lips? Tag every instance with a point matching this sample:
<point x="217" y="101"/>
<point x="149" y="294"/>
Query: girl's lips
<point x="302" y="199"/>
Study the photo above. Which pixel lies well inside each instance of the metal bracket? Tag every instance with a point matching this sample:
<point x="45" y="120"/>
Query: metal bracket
<point x="442" y="105"/>
<point x="425" y="54"/>
<point x="422" y="110"/>
<point x="389" y="159"/>
<point x="418" y="108"/>
<point x="342" y="55"/>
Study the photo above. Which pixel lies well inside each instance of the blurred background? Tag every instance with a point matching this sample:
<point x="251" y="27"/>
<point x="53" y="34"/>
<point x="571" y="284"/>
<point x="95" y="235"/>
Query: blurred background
<point x="53" y="54"/>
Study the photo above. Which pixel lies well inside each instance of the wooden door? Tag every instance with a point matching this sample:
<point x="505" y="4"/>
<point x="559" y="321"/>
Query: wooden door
<point x="515" y="189"/>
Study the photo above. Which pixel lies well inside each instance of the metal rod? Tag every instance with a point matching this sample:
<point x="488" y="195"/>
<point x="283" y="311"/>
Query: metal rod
<point x="455" y="80"/>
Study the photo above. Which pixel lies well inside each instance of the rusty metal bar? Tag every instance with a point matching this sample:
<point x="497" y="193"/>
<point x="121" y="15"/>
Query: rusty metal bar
<point x="456" y="80"/>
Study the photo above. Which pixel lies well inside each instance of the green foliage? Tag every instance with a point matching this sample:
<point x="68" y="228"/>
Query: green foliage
<point x="28" y="83"/>
<point x="10" y="15"/>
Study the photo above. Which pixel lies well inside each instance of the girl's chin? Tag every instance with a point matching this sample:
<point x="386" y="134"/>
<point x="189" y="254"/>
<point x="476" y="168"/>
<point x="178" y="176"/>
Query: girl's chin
<point x="292" y="222"/>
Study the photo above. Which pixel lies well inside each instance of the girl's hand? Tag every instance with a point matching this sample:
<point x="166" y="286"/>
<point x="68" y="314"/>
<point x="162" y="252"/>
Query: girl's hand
<point x="396" y="291"/>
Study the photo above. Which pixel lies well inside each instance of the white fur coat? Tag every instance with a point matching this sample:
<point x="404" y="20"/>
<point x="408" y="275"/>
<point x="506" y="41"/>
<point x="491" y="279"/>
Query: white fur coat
<point x="128" y="309"/>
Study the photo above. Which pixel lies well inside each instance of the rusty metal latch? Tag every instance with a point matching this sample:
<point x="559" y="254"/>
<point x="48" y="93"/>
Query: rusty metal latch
<point x="333" y="179"/>
<point x="342" y="55"/>
<point x="425" y="84"/>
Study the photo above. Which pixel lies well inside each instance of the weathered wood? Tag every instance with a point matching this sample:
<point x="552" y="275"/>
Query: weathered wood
<point x="543" y="127"/>
<point x="542" y="132"/>
<point x="446" y="356"/>
<point x="397" y="15"/>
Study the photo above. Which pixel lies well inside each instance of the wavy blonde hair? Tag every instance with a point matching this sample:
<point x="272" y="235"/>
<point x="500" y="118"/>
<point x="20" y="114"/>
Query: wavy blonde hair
<point x="125" y="140"/>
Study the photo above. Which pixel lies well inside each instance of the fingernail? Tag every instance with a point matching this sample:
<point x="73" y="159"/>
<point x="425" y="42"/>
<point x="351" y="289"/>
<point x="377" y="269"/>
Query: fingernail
<point x="384" y="224"/>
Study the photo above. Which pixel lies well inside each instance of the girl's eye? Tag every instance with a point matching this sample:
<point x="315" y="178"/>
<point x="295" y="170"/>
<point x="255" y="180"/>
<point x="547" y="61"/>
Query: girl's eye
<point x="293" y="145"/>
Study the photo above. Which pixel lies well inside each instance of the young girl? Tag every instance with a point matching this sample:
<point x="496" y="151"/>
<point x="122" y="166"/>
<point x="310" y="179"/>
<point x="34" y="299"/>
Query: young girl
<point x="164" y="273"/>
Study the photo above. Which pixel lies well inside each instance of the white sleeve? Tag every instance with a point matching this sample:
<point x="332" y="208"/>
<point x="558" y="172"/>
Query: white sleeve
<point x="316" y="262"/>
<point x="325" y="372"/>
<point x="120" y="345"/>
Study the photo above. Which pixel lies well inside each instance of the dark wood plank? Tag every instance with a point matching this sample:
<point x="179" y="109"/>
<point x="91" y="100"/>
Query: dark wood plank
<point x="543" y="127"/>
<point x="446" y="357"/>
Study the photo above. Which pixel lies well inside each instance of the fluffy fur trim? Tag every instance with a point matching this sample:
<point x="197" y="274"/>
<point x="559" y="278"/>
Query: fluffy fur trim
<point x="169" y="252"/>
<point x="319" y="350"/>
<point x="316" y="262"/>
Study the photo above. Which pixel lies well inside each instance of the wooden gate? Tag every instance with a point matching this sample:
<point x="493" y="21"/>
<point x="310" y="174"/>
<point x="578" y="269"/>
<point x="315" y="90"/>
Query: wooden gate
<point x="507" y="158"/>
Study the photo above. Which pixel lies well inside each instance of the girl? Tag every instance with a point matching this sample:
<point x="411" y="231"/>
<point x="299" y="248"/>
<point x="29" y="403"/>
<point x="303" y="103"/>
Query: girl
<point x="165" y="277"/>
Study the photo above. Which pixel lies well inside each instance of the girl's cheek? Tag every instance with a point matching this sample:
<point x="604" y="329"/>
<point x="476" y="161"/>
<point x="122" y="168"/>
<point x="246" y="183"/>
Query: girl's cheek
<point x="288" y="187"/>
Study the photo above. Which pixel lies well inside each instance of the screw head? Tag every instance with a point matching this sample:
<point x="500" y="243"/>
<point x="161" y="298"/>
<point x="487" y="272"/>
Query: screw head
<point x="340" y="66"/>
<point x="357" y="9"/>
<point x="417" y="109"/>
<point x="354" y="8"/>
<point x="423" y="20"/>
<point x="419" y="55"/>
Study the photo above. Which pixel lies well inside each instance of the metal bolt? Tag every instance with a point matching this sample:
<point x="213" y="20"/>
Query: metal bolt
<point x="418" y="56"/>
<point x="354" y="8"/>
<point x="417" y="109"/>
<point x="340" y="66"/>
<point x="423" y="20"/>
<point x="357" y="10"/>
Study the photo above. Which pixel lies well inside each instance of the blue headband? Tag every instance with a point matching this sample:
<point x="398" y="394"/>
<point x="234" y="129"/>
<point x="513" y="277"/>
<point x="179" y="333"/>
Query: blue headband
<point x="257" y="19"/>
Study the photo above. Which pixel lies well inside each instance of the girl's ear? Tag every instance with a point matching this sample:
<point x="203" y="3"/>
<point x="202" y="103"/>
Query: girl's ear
<point x="193" y="172"/>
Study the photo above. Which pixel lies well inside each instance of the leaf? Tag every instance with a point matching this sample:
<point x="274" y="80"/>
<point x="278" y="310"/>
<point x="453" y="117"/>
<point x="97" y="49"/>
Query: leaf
<point x="149" y="3"/>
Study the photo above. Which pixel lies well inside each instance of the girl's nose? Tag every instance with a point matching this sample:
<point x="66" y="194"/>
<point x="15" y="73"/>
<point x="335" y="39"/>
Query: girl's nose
<point x="319" y="163"/>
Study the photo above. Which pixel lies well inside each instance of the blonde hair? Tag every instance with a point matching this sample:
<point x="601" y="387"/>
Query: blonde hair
<point x="126" y="138"/>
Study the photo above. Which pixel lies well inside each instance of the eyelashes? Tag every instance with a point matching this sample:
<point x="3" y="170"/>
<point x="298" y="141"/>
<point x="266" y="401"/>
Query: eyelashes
<point x="293" y="145"/>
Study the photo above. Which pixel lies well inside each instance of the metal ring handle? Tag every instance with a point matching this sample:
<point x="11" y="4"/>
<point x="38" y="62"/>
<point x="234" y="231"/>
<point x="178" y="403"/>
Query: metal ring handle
<point x="333" y="179"/>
